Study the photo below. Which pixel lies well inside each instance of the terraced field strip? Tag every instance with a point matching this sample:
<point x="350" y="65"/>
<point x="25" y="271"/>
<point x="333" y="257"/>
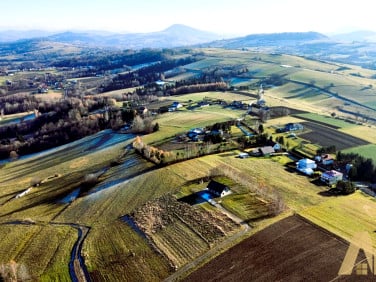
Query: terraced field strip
<point x="180" y="243"/>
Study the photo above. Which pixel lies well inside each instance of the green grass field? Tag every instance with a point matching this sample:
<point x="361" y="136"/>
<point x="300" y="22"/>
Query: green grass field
<point x="367" y="151"/>
<point x="326" y="120"/>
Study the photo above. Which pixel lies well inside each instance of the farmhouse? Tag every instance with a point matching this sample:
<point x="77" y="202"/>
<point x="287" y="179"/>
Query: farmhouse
<point x="218" y="189"/>
<point x="325" y="159"/>
<point x="290" y="127"/>
<point x="196" y="134"/>
<point x="331" y="177"/>
<point x="266" y="151"/>
<point x="306" y="166"/>
<point x="175" y="106"/>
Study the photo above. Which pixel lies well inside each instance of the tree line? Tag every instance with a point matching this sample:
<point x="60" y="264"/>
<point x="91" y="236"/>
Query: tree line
<point x="68" y="122"/>
<point x="363" y="169"/>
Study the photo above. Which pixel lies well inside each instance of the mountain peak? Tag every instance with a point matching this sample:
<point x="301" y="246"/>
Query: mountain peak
<point x="179" y="27"/>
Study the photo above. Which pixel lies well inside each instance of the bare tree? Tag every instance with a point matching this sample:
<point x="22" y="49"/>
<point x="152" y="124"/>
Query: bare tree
<point x="138" y="124"/>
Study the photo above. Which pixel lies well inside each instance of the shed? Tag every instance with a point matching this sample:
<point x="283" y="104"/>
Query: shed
<point x="218" y="189"/>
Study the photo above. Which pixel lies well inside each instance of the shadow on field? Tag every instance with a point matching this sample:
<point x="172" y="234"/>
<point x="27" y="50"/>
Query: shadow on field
<point x="53" y="194"/>
<point x="331" y="193"/>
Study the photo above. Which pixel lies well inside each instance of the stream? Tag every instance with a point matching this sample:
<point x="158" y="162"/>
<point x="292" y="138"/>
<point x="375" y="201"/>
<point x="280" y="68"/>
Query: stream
<point x="77" y="268"/>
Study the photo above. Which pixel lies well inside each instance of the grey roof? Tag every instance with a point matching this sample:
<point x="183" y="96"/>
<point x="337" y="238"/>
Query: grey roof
<point x="267" y="150"/>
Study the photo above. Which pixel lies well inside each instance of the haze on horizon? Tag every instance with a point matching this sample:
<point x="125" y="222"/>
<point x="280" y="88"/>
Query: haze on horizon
<point x="235" y="17"/>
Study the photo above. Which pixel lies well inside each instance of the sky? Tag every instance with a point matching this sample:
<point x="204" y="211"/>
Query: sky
<point x="232" y="17"/>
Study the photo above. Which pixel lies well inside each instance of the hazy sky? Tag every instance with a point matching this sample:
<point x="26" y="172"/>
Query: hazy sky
<point x="220" y="16"/>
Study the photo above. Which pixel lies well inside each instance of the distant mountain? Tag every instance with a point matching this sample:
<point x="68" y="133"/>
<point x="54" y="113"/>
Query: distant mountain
<point x="270" y="39"/>
<point x="174" y="36"/>
<point x="359" y="36"/>
<point x="14" y="35"/>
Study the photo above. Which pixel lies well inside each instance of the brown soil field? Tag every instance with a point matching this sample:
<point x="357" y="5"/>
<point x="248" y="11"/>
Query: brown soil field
<point x="292" y="249"/>
<point x="326" y="136"/>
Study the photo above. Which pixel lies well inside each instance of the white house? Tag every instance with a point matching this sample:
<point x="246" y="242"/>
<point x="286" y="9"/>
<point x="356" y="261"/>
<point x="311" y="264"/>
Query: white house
<point x="306" y="166"/>
<point x="175" y="106"/>
<point x="243" y="155"/>
<point x="218" y="189"/>
<point x="331" y="177"/>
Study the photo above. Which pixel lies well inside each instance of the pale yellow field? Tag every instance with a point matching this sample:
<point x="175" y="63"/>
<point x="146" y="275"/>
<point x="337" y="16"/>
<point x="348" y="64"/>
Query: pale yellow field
<point x="116" y="93"/>
<point x="367" y="133"/>
<point x="282" y="121"/>
<point x="227" y="96"/>
<point x="51" y="95"/>
<point x="345" y="215"/>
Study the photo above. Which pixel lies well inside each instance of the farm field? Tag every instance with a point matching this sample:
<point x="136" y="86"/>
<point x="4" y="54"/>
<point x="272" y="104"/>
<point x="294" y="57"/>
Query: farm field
<point x="342" y="217"/>
<point x="364" y="132"/>
<point x="326" y="120"/>
<point x="326" y="136"/>
<point x="292" y="248"/>
<point x="227" y="96"/>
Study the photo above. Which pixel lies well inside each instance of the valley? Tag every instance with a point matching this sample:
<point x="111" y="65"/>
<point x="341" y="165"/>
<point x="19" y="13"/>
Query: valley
<point x="99" y="149"/>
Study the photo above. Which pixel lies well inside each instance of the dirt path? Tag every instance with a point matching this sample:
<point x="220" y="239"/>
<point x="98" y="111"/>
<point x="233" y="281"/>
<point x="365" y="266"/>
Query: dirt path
<point x="181" y="272"/>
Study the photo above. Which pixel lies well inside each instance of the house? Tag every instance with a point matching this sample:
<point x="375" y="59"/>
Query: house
<point x="203" y="104"/>
<point x="160" y="83"/>
<point x="243" y="155"/>
<point x="196" y="134"/>
<point x="275" y="145"/>
<point x="290" y="127"/>
<point x="218" y="189"/>
<point x="325" y="159"/>
<point x="293" y="127"/>
<point x="266" y="150"/>
<point x="142" y="110"/>
<point x="331" y="177"/>
<point x="174" y="106"/>
<point x="306" y="166"/>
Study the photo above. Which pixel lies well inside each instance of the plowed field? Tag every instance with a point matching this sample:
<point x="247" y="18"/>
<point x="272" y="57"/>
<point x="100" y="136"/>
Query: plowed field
<point x="292" y="249"/>
<point x="326" y="136"/>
